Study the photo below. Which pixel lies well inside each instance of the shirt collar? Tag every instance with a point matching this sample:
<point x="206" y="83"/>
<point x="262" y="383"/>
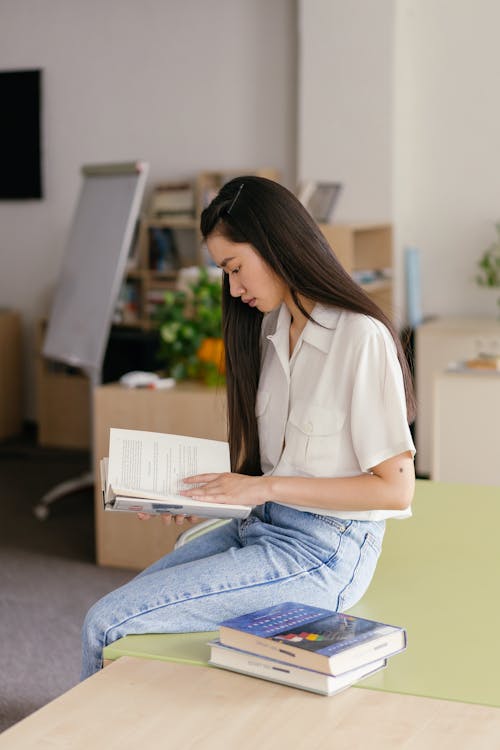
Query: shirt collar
<point x="319" y="331"/>
<point x="280" y="337"/>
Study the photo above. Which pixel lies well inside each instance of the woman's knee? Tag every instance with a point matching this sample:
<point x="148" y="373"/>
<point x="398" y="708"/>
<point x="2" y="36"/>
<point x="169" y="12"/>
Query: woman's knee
<point x="96" y="620"/>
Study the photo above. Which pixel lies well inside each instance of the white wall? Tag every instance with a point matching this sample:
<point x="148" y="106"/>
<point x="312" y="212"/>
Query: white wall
<point x="346" y="102"/>
<point x="184" y="84"/>
<point x="399" y="99"/>
<point x="447" y="127"/>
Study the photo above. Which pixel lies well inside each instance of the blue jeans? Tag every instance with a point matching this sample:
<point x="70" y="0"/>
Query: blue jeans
<point x="277" y="554"/>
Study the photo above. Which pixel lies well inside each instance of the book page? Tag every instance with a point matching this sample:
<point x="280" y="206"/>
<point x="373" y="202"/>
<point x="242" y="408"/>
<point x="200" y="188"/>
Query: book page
<point x="157" y="463"/>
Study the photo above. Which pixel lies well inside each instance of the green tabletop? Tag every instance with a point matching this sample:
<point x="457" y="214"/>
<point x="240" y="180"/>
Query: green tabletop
<point x="188" y="648"/>
<point x="439" y="576"/>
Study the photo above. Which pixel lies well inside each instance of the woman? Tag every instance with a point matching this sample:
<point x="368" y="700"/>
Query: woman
<point x="319" y="400"/>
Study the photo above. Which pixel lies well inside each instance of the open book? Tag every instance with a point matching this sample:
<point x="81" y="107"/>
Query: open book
<point x="145" y="471"/>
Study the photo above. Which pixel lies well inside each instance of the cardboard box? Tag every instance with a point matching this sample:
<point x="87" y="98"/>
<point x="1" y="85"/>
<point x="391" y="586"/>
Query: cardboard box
<point x="122" y="540"/>
<point x="11" y="387"/>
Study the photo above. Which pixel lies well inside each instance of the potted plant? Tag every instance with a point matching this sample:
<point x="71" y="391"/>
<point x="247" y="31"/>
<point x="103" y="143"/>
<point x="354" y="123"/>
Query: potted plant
<point x="489" y="265"/>
<point x="190" y="330"/>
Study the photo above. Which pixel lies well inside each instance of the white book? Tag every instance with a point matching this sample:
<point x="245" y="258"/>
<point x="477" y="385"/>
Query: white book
<point x="288" y="674"/>
<point x="145" y="471"/>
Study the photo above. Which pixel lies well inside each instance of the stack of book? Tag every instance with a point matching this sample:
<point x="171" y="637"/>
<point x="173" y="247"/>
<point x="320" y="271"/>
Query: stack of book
<point x="306" y="647"/>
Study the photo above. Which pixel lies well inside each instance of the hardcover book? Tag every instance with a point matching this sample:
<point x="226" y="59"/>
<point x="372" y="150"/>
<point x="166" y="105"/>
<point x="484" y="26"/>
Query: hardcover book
<point x="312" y="637"/>
<point x="288" y="674"/>
<point x="145" y="471"/>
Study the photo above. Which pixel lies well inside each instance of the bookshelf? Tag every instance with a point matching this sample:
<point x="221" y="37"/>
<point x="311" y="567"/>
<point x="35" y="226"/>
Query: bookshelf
<point x="365" y="251"/>
<point x="169" y="239"/>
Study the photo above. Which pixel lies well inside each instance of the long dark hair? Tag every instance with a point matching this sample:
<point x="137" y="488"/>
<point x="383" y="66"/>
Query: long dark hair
<point x="269" y="217"/>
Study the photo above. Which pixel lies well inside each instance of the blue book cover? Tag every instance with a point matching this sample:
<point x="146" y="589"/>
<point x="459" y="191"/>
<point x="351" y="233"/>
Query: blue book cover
<point x="313" y="637"/>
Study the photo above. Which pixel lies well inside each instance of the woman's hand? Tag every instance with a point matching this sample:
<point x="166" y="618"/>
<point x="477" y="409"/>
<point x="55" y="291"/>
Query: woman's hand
<point x="229" y="488"/>
<point x="168" y="518"/>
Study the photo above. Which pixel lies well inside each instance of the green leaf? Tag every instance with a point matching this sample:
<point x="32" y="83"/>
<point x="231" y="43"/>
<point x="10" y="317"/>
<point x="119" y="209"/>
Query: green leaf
<point x="178" y="371"/>
<point x="184" y="320"/>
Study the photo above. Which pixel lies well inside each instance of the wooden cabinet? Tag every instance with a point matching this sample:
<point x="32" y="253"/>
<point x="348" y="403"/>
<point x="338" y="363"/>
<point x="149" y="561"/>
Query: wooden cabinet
<point x="466" y="419"/>
<point x="365" y="251"/>
<point x="63" y="402"/>
<point x="187" y="409"/>
<point x="437" y="343"/>
<point x="11" y="417"/>
<point x="166" y="243"/>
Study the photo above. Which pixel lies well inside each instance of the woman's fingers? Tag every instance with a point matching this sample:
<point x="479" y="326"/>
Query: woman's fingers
<point x="197" y="478"/>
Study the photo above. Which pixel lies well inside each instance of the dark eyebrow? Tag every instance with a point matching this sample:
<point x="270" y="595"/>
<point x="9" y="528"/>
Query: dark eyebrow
<point x="226" y="261"/>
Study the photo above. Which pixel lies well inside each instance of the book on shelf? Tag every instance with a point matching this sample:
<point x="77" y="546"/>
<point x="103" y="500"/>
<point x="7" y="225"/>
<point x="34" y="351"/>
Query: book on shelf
<point x="127" y="305"/>
<point x="312" y="637"/>
<point x="372" y="277"/>
<point x="163" y="253"/>
<point x="173" y="200"/>
<point x="481" y="363"/>
<point x="274" y="670"/>
<point x="144" y="473"/>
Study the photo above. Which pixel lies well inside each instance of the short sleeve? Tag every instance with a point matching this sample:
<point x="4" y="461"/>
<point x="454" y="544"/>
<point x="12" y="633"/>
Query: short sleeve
<point x="379" y="424"/>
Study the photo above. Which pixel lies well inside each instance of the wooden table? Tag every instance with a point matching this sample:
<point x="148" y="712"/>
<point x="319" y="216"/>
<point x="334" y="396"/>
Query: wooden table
<point x="139" y="703"/>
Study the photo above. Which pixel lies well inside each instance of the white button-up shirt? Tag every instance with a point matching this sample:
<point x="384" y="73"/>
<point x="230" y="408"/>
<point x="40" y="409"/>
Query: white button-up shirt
<point x="336" y="407"/>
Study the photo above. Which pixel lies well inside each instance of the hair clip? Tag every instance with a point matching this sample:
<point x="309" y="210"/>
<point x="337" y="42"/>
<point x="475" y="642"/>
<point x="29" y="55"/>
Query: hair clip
<point x="235" y="198"/>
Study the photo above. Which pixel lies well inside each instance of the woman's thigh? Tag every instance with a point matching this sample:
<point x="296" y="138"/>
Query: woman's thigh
<point x="210" y="543"/>
<point x="278" y="554"/>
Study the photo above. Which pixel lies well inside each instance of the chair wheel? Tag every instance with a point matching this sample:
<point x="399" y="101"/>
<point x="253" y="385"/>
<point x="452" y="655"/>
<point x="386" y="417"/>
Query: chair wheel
<point x="41" y="512"/>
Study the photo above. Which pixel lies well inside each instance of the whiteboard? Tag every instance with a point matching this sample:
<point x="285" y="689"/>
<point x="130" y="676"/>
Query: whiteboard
<point x="94" y="264"/>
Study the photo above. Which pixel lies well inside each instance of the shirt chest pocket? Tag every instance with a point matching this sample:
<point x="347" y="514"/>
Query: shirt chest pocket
<point x="313" y="438"/>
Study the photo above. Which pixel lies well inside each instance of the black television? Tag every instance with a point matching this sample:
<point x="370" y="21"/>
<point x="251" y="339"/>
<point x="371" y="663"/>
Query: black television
<point x="20" y="135"/>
